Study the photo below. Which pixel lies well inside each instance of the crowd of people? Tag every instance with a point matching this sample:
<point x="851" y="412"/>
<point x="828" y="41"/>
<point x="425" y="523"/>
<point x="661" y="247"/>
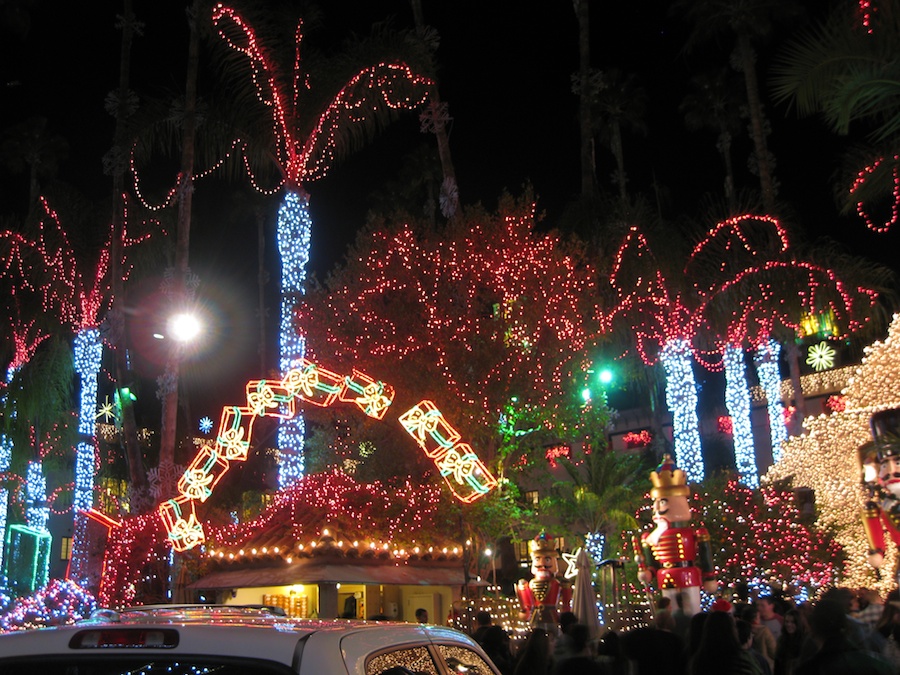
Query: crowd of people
<point x="845" y="631"/>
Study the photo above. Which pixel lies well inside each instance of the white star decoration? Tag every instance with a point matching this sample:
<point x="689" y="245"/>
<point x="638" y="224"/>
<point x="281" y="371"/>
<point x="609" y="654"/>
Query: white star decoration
<point x="571" y="569"/>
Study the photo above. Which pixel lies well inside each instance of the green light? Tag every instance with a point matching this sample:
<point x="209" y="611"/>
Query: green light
<point x="605" y="376"/>
<point x="586" y="395"/>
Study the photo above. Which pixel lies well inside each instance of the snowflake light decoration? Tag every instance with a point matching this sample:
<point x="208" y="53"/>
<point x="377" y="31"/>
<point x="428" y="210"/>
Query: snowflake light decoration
<point x="206" y="425"/>
<point x="821" y="356"/>
<point x="108" y="412"/>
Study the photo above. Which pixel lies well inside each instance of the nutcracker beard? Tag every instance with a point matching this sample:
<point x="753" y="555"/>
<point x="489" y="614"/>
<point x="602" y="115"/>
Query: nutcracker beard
<point x="661" y="526"/>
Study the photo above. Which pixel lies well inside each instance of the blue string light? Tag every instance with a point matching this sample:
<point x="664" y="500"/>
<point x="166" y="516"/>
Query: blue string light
<point x="294" y="228"/>
<point x="737" y="401"/>
<point x="6" y="448"/>
<point x="681" y="397"/>
<point x="88" y="353"/>
<point x="36" y="511"/>
<point x="766" y="360"/>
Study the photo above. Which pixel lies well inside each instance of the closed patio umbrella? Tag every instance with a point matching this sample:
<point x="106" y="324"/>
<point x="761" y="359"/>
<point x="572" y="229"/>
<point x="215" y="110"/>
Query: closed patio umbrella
<point x="584" y="600"/>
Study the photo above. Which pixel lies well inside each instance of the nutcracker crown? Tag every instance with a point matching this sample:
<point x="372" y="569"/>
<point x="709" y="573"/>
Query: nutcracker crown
<point x="668" y="480"/>
<point x="543" y="544"/>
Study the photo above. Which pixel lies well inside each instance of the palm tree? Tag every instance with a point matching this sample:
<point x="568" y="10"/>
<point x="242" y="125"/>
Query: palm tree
<point x="848" y="72"/>
<point x="436" y="117"/>
<point x="182" y="285"/>
<point x="711" y="106"/>
<point x="308" y="136"/>
<point x="601" y="495"/>
<point x="31" y="146"/>
<point x="619" y="105"/>
<point x="123" y="105"/>
<point x="747" y="22"/>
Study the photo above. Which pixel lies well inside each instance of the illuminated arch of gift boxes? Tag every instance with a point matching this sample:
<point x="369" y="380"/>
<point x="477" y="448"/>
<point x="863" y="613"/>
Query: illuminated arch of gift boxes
<point x="465" y="474"/>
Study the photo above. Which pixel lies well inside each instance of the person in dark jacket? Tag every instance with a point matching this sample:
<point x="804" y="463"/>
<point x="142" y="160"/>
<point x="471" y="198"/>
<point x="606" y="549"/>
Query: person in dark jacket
<point x="837" y="654"/>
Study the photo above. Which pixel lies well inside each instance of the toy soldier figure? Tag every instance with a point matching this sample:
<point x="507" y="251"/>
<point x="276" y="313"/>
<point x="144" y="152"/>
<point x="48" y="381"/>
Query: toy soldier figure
<point x="544" y="596"/>
<point x="676" y="552"/>
<point x="880" y="464"/>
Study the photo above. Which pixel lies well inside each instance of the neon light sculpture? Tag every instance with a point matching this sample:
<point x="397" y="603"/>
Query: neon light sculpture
<point x="440" y="443"/>
<point x="462" y="470"/>
<point x="303" y="160"/>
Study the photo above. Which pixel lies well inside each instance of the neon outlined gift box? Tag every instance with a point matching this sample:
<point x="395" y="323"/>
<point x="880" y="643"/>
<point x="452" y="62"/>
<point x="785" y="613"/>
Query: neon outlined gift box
<point x="184" y="532"/>
<point x="26" y="565"/>
<point x="313" y="384"/>
<point x="203" y="474"/>
<point x="425" y="423"/>
<point x="270" y="399"/>
<point x="466" y="475"/>
<point x="235" y="429"/>
<point x="371" y="396"/>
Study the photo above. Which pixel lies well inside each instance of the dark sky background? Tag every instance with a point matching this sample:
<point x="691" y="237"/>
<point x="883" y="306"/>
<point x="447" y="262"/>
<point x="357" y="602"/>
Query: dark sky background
<point x="505" y="71"/>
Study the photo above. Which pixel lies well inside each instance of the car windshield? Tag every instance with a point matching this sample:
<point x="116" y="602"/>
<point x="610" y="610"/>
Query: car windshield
<point x="145" y="665"/>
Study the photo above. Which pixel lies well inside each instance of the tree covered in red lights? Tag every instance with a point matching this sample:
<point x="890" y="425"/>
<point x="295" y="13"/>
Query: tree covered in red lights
<point x="491" y="319"/>
<point x="762" y="536"/>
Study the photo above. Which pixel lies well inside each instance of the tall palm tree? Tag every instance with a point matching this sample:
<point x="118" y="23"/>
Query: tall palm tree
<point x="182" y="284"/>
<point x="123" y="104"/>
<point x="619" y="106"/>
<point x="436" y="117"/>
<point x="31" y="146"/>
<point x="308" y="135"/>
<point x="711" y="105"/>
<point x="747" y="22"/>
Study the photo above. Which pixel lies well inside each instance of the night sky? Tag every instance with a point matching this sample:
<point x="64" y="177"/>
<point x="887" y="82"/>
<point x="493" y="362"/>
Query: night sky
<point x="505" y="71"/>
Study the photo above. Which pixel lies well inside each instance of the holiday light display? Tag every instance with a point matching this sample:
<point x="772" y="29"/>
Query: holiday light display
<point x="732" y="269"/>
<point x="440" y="442"/>
<point x="824" y="458"/>
<point x="737" y="401"/>
<point x="49" y="267"/>
<point x="27" y="562"/>
<point x="59" y="602"/>
<point x="862" y="178"/>
<point x="321" y="514"/>
<point x="26" y="339"/>
<point x="663" y="331"/>
<point x="465" y="474"/>
<point x="760" y="538"/>
<point x="766" y="360"/>
<point x="302" y="160"/>
<point x="294" y="228"/>
<point x="681" y="397"/>
<point x="820" y="356"/>
<point x="637" y="439"/>
<point x="206" y="425"/>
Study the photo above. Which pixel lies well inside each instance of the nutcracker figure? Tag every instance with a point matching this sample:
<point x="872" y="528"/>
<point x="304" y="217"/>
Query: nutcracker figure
<point x="880" y="466"/>
<point x="544" y="596"/>
<point x="676" y="552"/>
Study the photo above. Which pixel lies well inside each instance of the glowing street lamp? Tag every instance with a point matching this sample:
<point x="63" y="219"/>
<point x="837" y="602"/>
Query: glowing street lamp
<point x="184" y="327"/>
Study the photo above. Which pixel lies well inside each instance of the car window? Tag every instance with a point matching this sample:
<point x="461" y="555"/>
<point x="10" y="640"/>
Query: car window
<point x="412" y="660"/>
<point x="462" y="660"/>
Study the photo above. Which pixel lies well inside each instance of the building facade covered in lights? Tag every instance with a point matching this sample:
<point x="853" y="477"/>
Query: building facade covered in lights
<point x="329" y="546"/>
